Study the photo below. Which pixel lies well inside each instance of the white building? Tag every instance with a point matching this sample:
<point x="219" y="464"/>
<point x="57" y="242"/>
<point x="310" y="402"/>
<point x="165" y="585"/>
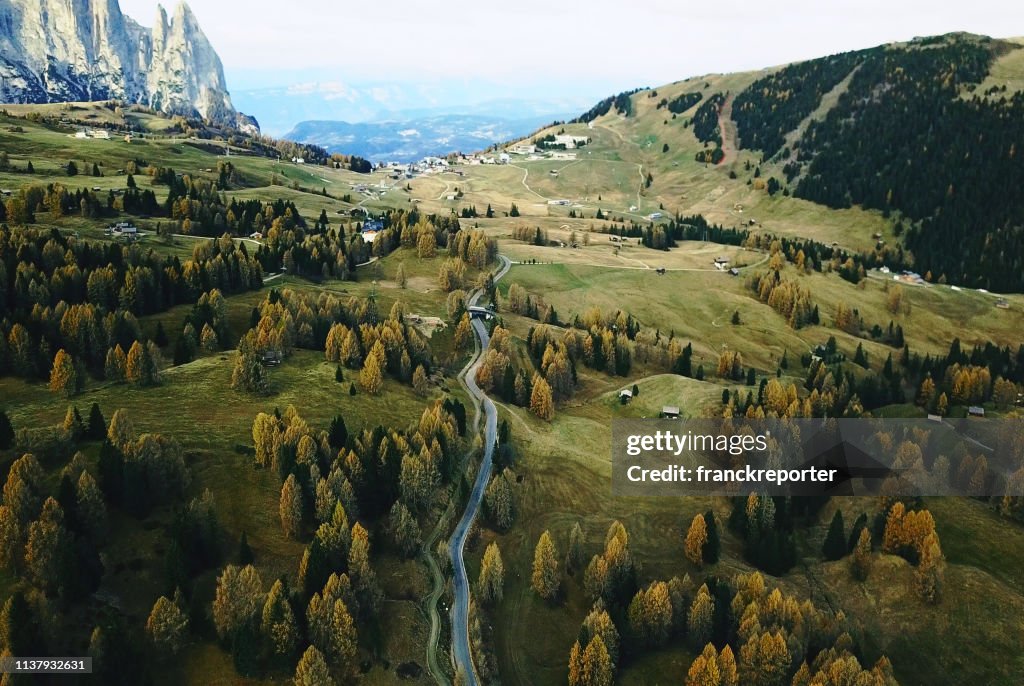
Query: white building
<point x="504" y="158"/>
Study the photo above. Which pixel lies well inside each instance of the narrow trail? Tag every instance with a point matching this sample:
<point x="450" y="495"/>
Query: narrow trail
<point x="727" y="127"/>
<point x="461" y="652"/>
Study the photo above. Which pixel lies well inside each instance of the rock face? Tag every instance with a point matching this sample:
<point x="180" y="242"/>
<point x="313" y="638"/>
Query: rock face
<point x="85" y="50"/>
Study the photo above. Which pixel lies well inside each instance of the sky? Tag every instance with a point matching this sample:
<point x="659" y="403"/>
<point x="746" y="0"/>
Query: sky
<point x="614" y="43"/>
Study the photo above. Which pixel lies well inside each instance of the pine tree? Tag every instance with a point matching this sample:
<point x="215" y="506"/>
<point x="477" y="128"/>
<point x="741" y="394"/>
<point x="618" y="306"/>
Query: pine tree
<point x="290" y="507"/>
<point x="6" y="431"/>
<point x="545" y="580"/>
<point x="97" y="428"/>
<point x="574" y="552"/>
<point x="696" y="539"/>
<point x="167" y="626"/>
<point x="835" y="541"/>
<point x="64" y="376"/>
<point x="245" y="556"/>
<point x="713" y="548"/>
<point x="492" y="576"/>
<point x="312" y="669"/>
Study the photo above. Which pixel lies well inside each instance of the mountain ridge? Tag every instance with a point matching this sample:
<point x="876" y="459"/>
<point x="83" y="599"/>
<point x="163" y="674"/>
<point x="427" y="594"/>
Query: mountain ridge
<point x="88" y="50"/>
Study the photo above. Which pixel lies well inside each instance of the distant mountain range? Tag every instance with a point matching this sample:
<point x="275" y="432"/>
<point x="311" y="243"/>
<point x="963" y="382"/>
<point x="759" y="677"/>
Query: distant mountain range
<point x="410" y="139"/>
<point x="87" y="50"/>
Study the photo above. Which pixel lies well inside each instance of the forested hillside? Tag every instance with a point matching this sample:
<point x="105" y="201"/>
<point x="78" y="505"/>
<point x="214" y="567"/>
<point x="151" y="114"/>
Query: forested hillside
<point x="909" y="136"/>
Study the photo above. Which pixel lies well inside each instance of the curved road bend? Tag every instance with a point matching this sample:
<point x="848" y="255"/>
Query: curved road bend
<point x="460" y="606"/>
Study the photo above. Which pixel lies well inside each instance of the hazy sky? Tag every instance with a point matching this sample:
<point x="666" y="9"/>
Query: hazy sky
<point x="611" y="43"/>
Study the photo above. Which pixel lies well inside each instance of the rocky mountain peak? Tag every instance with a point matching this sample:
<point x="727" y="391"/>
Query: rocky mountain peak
<point x="85" y="50"/>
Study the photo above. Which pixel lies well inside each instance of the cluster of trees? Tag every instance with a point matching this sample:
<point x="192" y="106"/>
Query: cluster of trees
<point x="60" y="293"/>
<point x="623" y="104"/>
<point x="268" y="628"/>
<point x="954" y="177"/>
<point x="788" y="298"/>
<point x="350" y="332"/>
<point x="766" y="525"/>
<point x="680" y="103"/>
<point x="534" y="236"/>
<point x="743" y="632"/>
<point x="774" y="105"/>
<point x="707" y="129"/>
<point x="54" y="524"/>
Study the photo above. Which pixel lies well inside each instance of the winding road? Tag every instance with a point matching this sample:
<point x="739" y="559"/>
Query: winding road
<point x="460" y="607"/>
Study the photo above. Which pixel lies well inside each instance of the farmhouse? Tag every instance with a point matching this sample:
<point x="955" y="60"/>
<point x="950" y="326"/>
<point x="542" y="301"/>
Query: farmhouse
<point x="524" y="149"/>
<point x="101" y="134"/>
<point x="625" y="394"/>
<point x="570" y="141"/>
<point x="721" y="263"/>
<point x="504" y="158"/>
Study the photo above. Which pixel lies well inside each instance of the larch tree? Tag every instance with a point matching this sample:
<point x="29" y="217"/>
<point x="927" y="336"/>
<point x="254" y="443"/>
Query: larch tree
<point x="400" y="277"/>
<point x="542" y="403"/>
<point x="701" y="618"/>
<point x="704" y="670"/>
<point x="860" y="564"/>
<point x="344" y="643"/>
<point x="312" y="669"/>
<point x="10" y="538"/>
<point x="545" y="580"/>
<point x="371" y="376"/>
<point x="290" y="507"/>
<point x="135" y="366"/>
<point x="24" y="488"/>
<point x="238" y="598"/>
<point x="764" y="660"/>
<point x="498" y="502"/>
<point x="90" y="507"/>
<point x="277" y="622"/>
<point x="167" y="626"/>
<point x="929" y="575"/>
<point x="419" y="380"/>
<point x="727" y="667"/>
<point x="696" y="539"/>
<point x="47" y="550"/>
<point x="596" y="668"/>
<point x="599" y="623"/>
<point x="490" y="586"/>
<point x="403" y="529"/>
<point x="63" y="376"/>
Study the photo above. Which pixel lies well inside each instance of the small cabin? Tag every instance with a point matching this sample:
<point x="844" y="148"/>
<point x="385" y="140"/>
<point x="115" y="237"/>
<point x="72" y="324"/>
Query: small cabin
<point x="670" y="412"/>
<point x="975" y="411"/>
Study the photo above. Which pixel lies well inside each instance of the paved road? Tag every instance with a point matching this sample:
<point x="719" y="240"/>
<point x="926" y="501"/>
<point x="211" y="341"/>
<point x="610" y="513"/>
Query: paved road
<point x="460" y="607"/>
